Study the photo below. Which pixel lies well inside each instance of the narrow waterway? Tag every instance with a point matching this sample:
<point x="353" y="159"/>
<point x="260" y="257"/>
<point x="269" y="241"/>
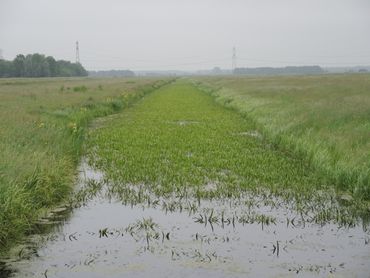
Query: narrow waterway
<point x="172" y="237"/>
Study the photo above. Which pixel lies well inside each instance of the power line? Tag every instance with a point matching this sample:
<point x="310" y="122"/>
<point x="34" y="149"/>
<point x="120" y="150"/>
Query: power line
<point x="96" y="57"/>
<point x="233" y="59"/>
<point x="173" y="64"/>
<point x="77" y="53"/>
<point x="300" y="62"/>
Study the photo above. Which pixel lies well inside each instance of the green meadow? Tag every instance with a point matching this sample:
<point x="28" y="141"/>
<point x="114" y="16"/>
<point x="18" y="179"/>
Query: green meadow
<point x="323" y="120"/>
<point x="43" y="124"/>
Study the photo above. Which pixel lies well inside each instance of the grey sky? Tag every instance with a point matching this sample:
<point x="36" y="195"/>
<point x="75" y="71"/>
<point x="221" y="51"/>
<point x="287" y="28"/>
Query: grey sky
<point x="189" y="34"/>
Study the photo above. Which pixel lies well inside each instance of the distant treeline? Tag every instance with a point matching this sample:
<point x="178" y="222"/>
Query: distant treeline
<point x="112" y="73"/>
<point x="277" y="71"/>
<point x="38" y="65"/>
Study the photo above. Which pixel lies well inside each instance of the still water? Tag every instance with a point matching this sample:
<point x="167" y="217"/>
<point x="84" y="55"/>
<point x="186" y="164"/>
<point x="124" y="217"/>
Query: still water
<point x="106" y="236"/>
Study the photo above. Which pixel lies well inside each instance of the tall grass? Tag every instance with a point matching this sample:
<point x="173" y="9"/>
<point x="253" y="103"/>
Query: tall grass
<point x="325" y="120"/>
<point x="42" y="127"/>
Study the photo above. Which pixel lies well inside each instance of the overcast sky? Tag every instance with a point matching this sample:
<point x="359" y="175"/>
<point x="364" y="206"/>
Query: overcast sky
<point x="189" y="34"/>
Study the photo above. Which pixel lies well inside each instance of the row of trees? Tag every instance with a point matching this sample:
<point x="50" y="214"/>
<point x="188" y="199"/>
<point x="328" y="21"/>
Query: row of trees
<point x="38" y="65"/>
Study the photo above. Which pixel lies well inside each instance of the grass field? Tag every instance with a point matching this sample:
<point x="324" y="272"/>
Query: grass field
<point x="42" y="127"/>
<point x="324" y="120"/>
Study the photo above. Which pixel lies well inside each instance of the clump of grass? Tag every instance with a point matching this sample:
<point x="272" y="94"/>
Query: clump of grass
<point x="147" y="230"/>
<point x="82" y="88"/>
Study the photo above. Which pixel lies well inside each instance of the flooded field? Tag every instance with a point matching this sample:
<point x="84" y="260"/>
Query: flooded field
<point x="103" y="234"/>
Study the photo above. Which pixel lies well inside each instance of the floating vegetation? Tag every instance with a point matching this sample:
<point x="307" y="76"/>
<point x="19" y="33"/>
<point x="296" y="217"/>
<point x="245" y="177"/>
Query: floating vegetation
<point x="177" y="143"/>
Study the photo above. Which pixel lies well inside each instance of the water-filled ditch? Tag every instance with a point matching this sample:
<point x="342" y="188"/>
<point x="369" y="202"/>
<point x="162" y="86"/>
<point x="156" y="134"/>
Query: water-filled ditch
<point x="103" y="232"/>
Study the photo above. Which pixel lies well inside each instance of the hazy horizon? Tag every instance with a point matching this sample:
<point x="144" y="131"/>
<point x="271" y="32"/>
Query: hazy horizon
<point x="189" y="35"/>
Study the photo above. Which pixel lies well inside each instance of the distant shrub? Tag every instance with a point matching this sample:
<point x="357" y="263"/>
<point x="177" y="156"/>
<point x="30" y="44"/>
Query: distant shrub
<point x="80" y="88"/>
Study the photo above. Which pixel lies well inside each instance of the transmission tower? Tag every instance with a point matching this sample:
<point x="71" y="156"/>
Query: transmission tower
<point x="233" y="62"/>
<point x="77" y="53"/>
<point x="1" y="54"/>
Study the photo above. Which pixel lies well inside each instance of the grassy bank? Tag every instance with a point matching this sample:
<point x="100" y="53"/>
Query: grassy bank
<point x="325" y="120"/>
<point x="42" y="127"/>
